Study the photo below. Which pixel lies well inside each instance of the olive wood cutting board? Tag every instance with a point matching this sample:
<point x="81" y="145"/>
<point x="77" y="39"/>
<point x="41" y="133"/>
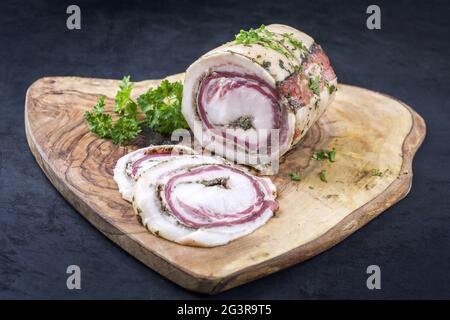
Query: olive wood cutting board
<point x="369" y="131"/>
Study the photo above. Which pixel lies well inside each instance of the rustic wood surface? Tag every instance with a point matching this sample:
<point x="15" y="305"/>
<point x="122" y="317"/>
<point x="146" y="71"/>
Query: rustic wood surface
<point x="368" y="129"/>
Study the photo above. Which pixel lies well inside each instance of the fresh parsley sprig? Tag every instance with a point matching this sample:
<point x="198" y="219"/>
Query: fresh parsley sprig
<point x="161" y="107"/>
<point x="99" y="122"/>
<point x="123" y="97"/>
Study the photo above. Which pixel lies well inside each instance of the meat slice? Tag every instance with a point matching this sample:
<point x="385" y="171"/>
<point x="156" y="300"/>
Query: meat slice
<point x="202" y="201"/>
<point x="130" y="166"/>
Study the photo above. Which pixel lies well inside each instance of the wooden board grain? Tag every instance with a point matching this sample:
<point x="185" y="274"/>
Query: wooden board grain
<point x="368" y="129"/>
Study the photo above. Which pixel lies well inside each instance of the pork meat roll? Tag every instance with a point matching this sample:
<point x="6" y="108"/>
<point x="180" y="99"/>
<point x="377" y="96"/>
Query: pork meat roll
<point x="251" y="99"/>
<point x="202" y="201"/>
<point x="130" y="166"/>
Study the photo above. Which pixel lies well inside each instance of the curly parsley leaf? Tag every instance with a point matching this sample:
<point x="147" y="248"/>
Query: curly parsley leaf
<point x="120" y="131"/>
<point x="162" y="106"/>
<point x="124" y="130"/>
<point x="295" y="176"/>
<point x="99" y="122"/>
<point x="123" y="96"/>
<point x="100" y="105"/>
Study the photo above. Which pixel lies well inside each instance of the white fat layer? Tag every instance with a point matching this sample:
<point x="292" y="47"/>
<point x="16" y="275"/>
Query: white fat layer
<point x="147" y="205"/>
<point x="215" y="143"/>
<point x="238" y="194"/>
<point x="125" y="181"/>
<point x="222" y="235"/>
<point x="240" y="102"/>
<point x="228" y="106"/>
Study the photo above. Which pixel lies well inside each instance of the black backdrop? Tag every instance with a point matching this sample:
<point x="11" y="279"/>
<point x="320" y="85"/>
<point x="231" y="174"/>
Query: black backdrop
<point x="41" y="234"/>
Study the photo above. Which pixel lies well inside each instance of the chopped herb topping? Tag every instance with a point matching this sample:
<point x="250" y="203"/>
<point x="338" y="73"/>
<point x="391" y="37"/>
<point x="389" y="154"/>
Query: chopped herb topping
<point x="298" y="68"/>
<point x="323" y="175"/>
<point x="249" y="37"/>
<point x="266" y="64"/>
<point x="311" y="187"/>
<point x="244" y="123"/>
<point x="294" y="42"/>
<point x="314" y="85"/>
<point x="330" y="88"/>
<point x="263" y="37"/>
<point x="376" y="173"/>
<point x="322" y="155"/>
<point x="295" y="176"/>
<point x="221" y="182"/>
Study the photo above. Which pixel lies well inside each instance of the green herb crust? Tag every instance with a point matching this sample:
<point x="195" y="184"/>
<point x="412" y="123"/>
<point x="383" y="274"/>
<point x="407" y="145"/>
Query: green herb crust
<point x="244" y="123"/>
<point x="268" y="39"/>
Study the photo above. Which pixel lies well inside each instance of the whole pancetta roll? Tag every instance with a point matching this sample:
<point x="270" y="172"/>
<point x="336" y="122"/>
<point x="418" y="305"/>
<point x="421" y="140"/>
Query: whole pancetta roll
<point x="252" y="99"/>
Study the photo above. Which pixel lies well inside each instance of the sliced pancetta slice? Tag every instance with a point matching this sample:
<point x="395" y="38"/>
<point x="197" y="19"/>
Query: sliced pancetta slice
<point x="202" y="201"/>
<point x="129" y="167"/>
<point x="251" y="102"/>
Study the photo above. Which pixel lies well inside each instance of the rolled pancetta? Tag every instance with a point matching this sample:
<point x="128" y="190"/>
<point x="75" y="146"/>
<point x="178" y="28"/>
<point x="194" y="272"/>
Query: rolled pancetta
<point x="202" y="201"/>
<point x="251" y="99"/>
<point x="130" y="166"/>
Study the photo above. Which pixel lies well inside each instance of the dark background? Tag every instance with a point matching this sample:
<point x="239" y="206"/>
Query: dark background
<point x="41" y="234"/>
